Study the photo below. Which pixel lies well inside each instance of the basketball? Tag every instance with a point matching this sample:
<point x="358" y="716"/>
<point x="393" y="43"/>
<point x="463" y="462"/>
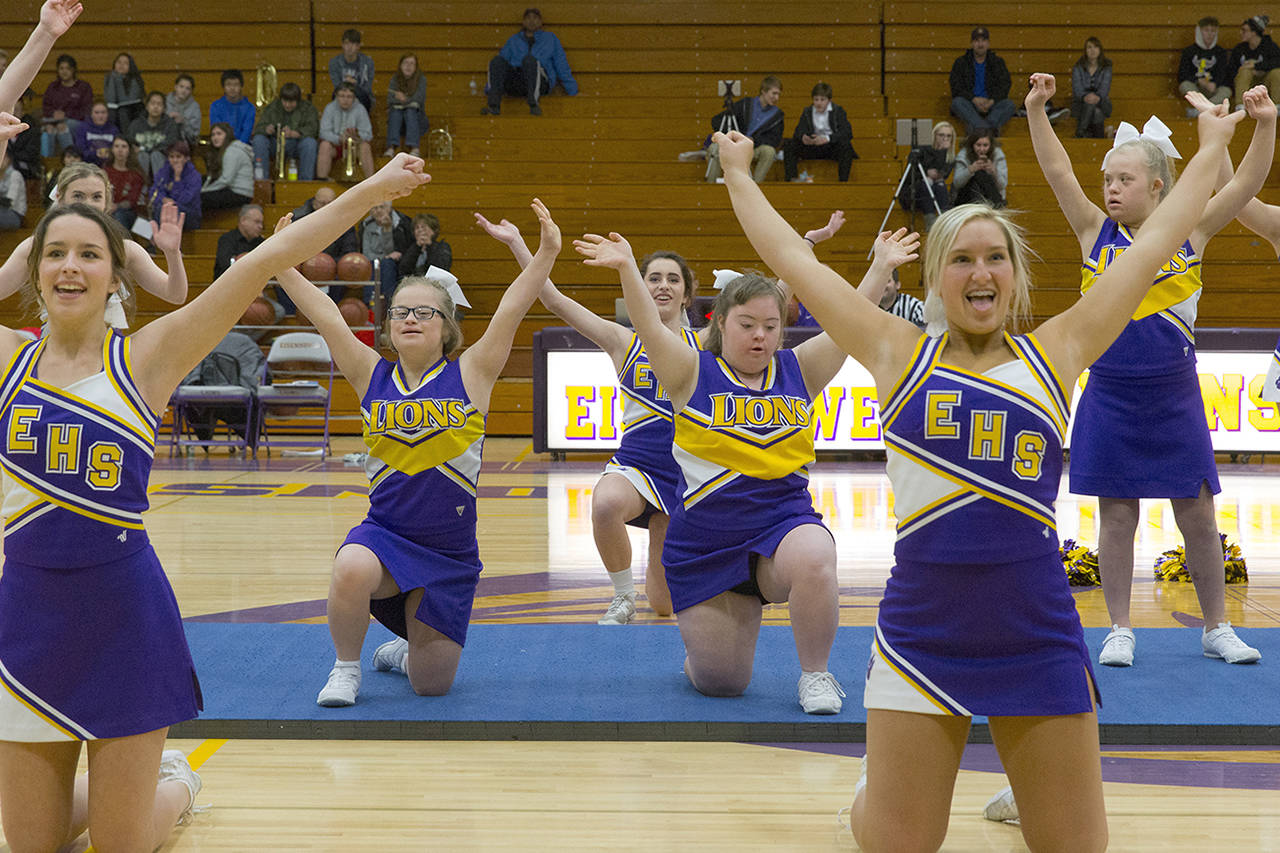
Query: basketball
<point x="259" y="313"/>
<point x="354" y="266"/>
<point x="319" y="268"/>
<point x="355" y="312"/>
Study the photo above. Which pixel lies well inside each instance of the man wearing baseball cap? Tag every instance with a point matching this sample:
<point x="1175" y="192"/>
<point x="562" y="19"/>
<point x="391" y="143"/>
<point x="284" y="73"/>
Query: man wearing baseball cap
<point x="980" y="85"/>
<point x="530" y="64"/>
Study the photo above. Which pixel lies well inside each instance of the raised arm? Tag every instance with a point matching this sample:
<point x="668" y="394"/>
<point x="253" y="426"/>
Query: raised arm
<point x="1228" y="202"/>
<point x="355" y="359"/>
<point x="167" y="348"/>
<point x="609" y="336"/>
<point x="56" y="17"/>
<point x="858" y="326"/>
<point x="1077" y="336"/>
<point x="171" y="285"/>
<point x="673" y="361"/>
<point x="1084" y="217"/>
<point x="483" y="361"/>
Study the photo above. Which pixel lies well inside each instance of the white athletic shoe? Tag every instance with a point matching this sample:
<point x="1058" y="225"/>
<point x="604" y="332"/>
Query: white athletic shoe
<point x="820" y="693"/>
<point x="1002" y="808"/>
<point x="174" y="768"/>
<point x="1223" y="643"/>
<point x="1117" y="648"/>
<point x="621" y="610"/>
<point x="341" y="688"/>
<point x="390" y="656"/>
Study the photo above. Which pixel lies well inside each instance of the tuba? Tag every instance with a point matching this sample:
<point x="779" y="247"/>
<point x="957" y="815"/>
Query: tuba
<point x="440" y="143"/>
<point x="266" y="85"/>
<point x="347" y="174"/>
<point x="281" y="165"/>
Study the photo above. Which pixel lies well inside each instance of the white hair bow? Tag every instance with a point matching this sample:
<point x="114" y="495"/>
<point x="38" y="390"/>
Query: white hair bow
<point x="1154" y="131"/>
<point x="450" y="282"/>
<point x="114" y="313"/>
<point x="723" y="277"/>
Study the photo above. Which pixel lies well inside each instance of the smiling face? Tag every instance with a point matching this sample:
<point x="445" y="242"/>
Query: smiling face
<point x="91" y="191"/>
<point x="769" y="97"/>
<point x="1129" y="190"/>
<point x="751" y="334"/>
<point x="977" y="279"/>
<point x="75" y="270"/>
<point x="667" y="287"/>
<point x="420" y="339"/>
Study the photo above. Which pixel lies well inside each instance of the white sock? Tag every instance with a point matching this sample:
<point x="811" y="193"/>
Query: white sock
<point x="622" y="582"/>
<point x="346" y="664"/>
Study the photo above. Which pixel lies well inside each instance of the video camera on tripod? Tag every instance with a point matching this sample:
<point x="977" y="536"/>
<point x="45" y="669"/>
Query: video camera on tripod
<point x="728" y="89"/>
<point x="909" y="133"/>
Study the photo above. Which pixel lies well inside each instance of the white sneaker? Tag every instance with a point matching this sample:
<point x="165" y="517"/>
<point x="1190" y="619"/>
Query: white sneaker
<point x="1117" y="648"/>
<point x="341" y="688"/>
<point x="1223" y="643"/>
<point x="174" y="768"/>
<point x="1002" y="808"/>
<point x="820" y="693"/>
<point x="621" y="610"/>
<point x="390" y="656"/>
<point x="861" y="784"/>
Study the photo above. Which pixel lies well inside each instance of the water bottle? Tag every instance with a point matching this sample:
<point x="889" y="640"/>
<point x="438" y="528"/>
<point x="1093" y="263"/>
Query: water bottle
<point x="292" y="171"/>
<point x="475" y="87"/>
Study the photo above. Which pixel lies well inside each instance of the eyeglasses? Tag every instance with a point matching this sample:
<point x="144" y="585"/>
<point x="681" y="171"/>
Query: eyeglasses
<point x="422" y="312"/>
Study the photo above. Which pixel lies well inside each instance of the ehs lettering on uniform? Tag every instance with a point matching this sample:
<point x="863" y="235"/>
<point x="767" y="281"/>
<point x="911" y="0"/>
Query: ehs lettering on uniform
<point x="985" y="434"/>
<point x="63" y="451"/>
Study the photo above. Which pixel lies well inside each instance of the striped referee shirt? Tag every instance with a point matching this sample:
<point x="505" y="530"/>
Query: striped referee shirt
<point x="908" y="307"/>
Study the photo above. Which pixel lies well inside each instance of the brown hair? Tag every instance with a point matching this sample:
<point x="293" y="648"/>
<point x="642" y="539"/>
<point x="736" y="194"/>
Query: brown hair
<point x="740" y="291"/>
<point x="690" y="281"/>
<point x="31" y="299"/>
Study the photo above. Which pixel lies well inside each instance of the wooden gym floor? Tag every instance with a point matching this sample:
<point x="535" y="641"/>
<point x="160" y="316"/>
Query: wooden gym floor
<point x="239" y="535"/>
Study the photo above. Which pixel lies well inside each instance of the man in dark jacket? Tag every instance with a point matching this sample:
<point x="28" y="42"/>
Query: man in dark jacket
<point x="980" y="85"/>
<point x="1256" y="59"/>
<point x="823" y="133"/>
<point x="1203" y="66"/>
<point x="757" y="117"/>
<point x="245" y="237"/>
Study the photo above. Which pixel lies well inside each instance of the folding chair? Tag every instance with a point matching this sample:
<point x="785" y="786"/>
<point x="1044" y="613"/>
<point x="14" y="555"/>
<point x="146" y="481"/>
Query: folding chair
<point x="299" y="396"/>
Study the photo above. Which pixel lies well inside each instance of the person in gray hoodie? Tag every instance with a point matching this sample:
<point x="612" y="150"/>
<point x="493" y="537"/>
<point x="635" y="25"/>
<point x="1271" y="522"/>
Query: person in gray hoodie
<point x="1203" y="66"/>
<point x="343" y="122"/>
<point x="230" y="179"/>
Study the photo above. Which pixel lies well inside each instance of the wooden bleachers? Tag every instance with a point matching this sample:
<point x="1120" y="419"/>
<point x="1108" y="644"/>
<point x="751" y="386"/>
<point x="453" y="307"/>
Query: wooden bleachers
<point x="607" y="159"/>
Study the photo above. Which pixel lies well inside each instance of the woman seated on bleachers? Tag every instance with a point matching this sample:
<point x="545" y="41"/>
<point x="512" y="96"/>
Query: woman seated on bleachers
<point x="982" y="172"/>
<point x="230" y="166"/>
<point x="929" y="195"/>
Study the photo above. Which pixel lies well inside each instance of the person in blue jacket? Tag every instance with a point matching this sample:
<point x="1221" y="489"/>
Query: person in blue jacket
<point x="530" y="64"/>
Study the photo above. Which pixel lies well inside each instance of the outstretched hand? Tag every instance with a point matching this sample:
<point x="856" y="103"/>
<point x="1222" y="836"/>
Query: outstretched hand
<point x="612" y="251"/>
<point x="1043" y="88"/>
<point x="735" y="150"/>
<point x="826" y="232"/>
<point x="400" y="177"/>
<point x="1216" y="125"/>
<point x="895" y="248"/>
<point x="10" y="126"/>
<point x="1198" y="101"/>
<point x="167" y="233"/>
<point x="57" y="16"/>
<point x="283" y="222"/>
<point x="1258" y="104"/>
<point x="550" y="236"/>
<point x="503" y="232"/>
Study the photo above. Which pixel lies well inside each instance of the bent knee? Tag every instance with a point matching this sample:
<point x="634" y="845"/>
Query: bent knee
<point x="37" y="838"/>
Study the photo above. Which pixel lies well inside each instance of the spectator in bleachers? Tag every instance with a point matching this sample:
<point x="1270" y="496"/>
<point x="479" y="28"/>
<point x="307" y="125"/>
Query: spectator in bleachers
<point x="25" y="147"/>
<point x="178" y="180"/>
<point x="298" y="120"/>
<point x="758" y="117"/>
<point x="981" y="170"/>
<point x="151" y="134"/>
<point x="406" y="99"/>
<point x="348" y="241"/>
<point x="245" y="237"/>
<point x="13" y="195"/>
<point x="427" y="249"/>
<point x="352" y="66"/>
<point x="344" y="122"/>
<point x="183" y="108"/>
<point x="529" y="64"/>
<point x="124" y="91"/>
<point x="823" y="133"/>
<point x="1091" y="90"/>
<point x="233" y="107"/>
<point x="229" y="182"/>
<point x="1204" y="66"/>
<point x="1256" y="59"/>
<point x="69" y="156"/>
<point x="980" y="85"/>
<point x="66" y="104"/>
<point x="931" y="195"/>
<point x="385" y="235"/>
<point x="126" y="182"/>
<point x="93" y="137"/>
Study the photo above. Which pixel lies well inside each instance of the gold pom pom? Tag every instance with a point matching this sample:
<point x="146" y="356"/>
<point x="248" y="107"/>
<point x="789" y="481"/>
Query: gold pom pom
<point x="1172" y="564"/>
<point x="1080" y="563"/>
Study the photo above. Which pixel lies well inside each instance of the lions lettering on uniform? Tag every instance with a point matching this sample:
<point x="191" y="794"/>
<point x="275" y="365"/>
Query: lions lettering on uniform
<point x="391" y="415"/>
<point x="1176" y="265"/>
<point x="642" y="377"/>
<point x="742" y="411"/>
<point x="63" y="451"/>
<point x="986" y="434"/>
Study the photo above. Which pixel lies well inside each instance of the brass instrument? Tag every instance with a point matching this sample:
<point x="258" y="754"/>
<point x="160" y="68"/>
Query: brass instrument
<point x="347" y="174"/>
<point x="266" y="85"/>
<point x="440" y="143"/>
<point x="280" y="158"/>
